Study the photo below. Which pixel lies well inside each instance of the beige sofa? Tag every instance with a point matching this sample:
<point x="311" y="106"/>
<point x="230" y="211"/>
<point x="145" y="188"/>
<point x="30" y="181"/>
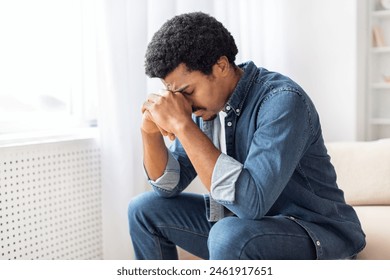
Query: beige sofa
<point x="363" y="170"/>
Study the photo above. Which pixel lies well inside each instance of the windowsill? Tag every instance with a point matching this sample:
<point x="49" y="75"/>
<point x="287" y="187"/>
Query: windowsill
<point x="47" y="136"/>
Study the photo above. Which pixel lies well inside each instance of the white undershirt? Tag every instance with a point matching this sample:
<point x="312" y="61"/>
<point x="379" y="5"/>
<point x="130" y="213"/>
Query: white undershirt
<point x="222" y="136"/>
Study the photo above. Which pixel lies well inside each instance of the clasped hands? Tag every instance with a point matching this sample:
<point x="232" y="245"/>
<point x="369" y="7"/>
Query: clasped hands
<point x="166" y="113"/>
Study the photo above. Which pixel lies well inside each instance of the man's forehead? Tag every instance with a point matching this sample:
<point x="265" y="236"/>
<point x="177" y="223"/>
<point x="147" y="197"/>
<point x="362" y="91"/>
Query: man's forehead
<point x="177" y="79"/>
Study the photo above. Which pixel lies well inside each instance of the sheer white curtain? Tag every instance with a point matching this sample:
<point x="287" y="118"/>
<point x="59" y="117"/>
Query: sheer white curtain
<point x="124" y="28"/>
<point x="122" y="88"/>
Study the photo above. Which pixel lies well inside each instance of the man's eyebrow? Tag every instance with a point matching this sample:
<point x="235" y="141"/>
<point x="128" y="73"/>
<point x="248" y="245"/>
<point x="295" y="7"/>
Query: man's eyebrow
<point x="177" y="90"/>
<point x="180" y="89"/>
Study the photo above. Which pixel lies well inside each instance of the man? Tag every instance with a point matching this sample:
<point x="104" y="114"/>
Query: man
<point x="272" y="188"/>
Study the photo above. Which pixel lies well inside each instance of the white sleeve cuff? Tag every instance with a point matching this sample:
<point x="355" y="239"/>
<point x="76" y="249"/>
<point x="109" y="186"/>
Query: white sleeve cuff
<point x="169" y="180"/>
<point x="225" y="174"/>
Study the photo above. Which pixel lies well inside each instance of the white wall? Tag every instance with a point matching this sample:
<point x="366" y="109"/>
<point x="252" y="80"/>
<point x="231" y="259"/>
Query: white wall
<point x="315" y="43"/>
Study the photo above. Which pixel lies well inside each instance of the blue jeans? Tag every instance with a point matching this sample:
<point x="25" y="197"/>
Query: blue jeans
<point x="158" y="224"/>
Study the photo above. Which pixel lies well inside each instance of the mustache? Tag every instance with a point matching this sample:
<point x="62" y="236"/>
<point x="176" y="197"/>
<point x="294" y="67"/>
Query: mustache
<point x="195" y="108"/>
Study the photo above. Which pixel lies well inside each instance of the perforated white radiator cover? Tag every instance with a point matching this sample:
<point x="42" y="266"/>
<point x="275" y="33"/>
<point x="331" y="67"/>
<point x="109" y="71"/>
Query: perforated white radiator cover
<point x="50" y="201"/>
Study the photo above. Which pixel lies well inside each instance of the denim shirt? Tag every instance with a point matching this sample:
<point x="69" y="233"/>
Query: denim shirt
<point x="276" y="164"/>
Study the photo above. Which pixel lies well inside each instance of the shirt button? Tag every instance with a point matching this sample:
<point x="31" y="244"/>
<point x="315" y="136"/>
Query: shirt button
<point x="318" y="243"/>
<point x="229" y="124"/>
<point x="237" y="110"/>
<point x="227" y="108"/>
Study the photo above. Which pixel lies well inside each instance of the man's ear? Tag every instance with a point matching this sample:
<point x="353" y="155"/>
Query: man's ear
<point x="221" y="67"/>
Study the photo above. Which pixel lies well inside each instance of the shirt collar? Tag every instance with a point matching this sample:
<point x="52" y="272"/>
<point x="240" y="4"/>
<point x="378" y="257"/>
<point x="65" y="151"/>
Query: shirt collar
<point x="237" y="99"/>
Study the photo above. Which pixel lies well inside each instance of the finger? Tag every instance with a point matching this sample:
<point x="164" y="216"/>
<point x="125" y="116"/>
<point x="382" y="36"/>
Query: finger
<point x="163" y="132"/>
<point x="147" y="115"/>
<point x="170" y="135"/>
<point x="146" y="106"/>
<point x="154" y="97"/>
<point x="166" y="133"/>
<point x="187" y="102"/>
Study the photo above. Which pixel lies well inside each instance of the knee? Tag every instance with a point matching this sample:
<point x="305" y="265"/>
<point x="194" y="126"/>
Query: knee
<point x="224" y="239"/>
<point x="138" y="208"/>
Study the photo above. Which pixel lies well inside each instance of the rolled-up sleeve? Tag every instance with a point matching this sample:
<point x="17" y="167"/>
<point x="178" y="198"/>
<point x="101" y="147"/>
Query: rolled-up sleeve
<point x="170" y="179"/>
<point x="225" y="174"/>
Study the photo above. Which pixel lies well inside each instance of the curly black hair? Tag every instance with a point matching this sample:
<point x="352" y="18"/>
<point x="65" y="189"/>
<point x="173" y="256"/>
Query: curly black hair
<point x="196" y="39"/>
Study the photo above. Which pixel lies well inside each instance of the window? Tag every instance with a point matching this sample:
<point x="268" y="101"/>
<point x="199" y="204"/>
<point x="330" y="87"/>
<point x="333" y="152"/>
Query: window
<point x="47" y="65"/>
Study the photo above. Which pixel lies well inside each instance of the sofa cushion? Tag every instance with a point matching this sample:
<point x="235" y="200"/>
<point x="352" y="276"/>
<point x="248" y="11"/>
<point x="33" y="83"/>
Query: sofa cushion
<point x="377" y="229"/>
<point x="363" y="170"/>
